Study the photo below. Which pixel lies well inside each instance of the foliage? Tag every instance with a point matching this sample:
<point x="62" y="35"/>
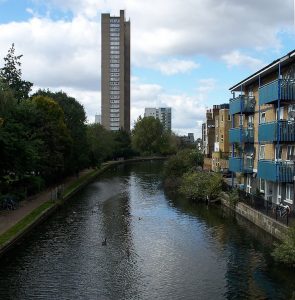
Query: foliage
<point x="101" y="144"/>
<point x="200" y="185"/>
<point x="75" y="120"/>
<point x="182" y="162"/>
<point x="122" y="145"/>
<point x="11" y="75"/>
<point x="233" y="197"/>
<point x="285" y="252"/>
<point x="149" y="137"/>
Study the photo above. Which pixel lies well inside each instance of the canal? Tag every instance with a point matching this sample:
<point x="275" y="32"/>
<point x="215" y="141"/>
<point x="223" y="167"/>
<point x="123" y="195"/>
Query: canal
<point x="156" y="247"/>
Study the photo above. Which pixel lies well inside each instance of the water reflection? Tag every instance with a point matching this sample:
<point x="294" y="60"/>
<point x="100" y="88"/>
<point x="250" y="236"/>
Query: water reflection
<point x="158" y="247"/>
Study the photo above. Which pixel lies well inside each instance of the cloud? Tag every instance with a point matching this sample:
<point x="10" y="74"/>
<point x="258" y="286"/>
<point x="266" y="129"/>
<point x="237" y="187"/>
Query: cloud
<point x="175" y="66"/>
<point x="56" y="53"/>
<point x="236" y="58"/>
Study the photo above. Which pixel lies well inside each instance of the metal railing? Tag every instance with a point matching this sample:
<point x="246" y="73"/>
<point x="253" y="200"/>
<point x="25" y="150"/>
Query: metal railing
<point x="272" y="210"/>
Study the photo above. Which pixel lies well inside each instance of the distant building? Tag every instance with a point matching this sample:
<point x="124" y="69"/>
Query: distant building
<point x="115" y="72"/>
<point x="162" y="113"/>
<point x="188" y="139"/>
<point x="191" y="137"/>
<point x="199" y="144"/>
<point x="97" y="119"/>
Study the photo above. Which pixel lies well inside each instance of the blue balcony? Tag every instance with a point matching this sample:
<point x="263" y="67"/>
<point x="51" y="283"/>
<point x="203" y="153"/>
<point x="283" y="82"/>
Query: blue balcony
<point x="282" y="131"/>
<point x="242" y="165"/>
<point x="282" y="89"/>
<point x="242" y="104"/>
<point x="241" y="135"/>
<point x="276" y="171"/>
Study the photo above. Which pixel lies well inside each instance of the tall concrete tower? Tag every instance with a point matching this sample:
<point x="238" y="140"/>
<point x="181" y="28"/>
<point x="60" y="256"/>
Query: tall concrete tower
<point x="115" y="72"/>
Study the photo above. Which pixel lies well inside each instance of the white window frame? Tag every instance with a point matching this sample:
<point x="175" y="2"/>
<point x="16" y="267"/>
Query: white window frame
<point x="262" y="152"/>
<point x="290" y="152"/>
<point x="241" y="120"/>
<point x="248" y="185"/>
<point x="281" y="113"/>
<point x="289" y="193"/>
<point x="262" y="117"/>
<point x="278" y="154"/>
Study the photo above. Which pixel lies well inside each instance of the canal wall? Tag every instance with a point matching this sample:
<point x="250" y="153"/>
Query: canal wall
<point x="21" y="229"/>
<point x="273" y="227"/>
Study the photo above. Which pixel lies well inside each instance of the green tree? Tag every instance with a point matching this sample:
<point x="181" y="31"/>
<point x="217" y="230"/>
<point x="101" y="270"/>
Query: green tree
<point x="101" y="144"/>
<point x="75" y="120"/>
<point x="147" y="135"/>
<point x="11" y="74"/>
<point x="200" y="185"/>
<point x="50" y="128"/>
<point x="122" y="144"/>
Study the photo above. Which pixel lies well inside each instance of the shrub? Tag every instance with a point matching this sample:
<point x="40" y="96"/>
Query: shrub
<point x="200" y="185"/>
<point x="285" y="252"/>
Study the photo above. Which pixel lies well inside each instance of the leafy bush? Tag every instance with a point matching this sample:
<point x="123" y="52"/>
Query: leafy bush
<point x="285" y="252"/>
<point x="233" y="198"/>
<point x="200" y="185"/>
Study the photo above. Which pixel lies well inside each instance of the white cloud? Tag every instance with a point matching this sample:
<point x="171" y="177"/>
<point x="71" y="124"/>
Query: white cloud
<point x="175" y="66"/>
<point x="236" y="58"/>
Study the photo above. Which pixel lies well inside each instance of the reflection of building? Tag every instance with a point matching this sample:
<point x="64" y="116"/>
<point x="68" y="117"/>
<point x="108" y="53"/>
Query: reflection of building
<point x="97" y="119"/>
<point x="162" y="113"/>
<point x="199" y="144"/>
<point x="221" y="144"/>
<point x="263" y="131"/>
<point x="115" y="72"/>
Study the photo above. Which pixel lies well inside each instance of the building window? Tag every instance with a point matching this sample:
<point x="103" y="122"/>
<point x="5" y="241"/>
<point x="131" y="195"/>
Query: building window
<point x="114" y="34"/>
<point x="221" y="118"/>
<point x="281" y="113"/>
<point x="262" y="152"/>
<point x="114" y="20"/>
<point x="248" y="187"/>
<point x="114" y="29"/>
<point x="262" y="118"/>
<point x="241" y="120"/>
<point x="278" y="152"/>
<point x="289" y="193"/>
<point x="262" y="185"/>
<point x="217" y="140"/>
<point x="229" y="117"/>
<point x="251" y="121"/>
<point x="290" y="152"/>
<point x="221" y="138"/>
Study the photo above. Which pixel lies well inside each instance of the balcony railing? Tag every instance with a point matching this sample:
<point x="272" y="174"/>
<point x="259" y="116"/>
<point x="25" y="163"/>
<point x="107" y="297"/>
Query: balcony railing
<point x="283" y="89"/>
<point x="283" y="131"/>
<point x="242" y="104"/>
<point x="240" y="164"/>
<point x="277" y="171"/>
<point x="241" y="135"/>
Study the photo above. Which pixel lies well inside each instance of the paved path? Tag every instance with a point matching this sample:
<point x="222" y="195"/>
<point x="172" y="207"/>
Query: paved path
<point x="10" y="218"/>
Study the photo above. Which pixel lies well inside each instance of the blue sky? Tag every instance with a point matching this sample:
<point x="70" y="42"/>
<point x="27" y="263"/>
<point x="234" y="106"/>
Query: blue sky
<point x="185" y="53"/>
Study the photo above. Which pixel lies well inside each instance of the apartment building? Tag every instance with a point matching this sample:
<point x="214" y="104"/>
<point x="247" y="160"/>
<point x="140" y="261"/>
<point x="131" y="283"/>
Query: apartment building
<point x="115" y="72"/>
<point x="208" y="131"/>
<point x="221" y="144"/>
<point x="262" y="136"/>
<point x="162" y="113"/>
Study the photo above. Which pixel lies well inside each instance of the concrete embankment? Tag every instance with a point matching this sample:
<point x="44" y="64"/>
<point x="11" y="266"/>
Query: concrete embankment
<point x="33" y="218"/>
<point x="273" y="227"/>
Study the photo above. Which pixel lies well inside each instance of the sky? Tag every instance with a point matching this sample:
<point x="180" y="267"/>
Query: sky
<point x="185" y="54"/>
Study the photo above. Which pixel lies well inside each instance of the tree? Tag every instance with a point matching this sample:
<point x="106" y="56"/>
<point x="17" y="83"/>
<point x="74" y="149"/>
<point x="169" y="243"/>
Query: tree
<point x="101" y="144"/>
<point x="122" y="144"/>
<point x="75" y="120"/>
<point x="147" y="135"/>
<point x="11" y="74"/>
<point x="50" y="128"/>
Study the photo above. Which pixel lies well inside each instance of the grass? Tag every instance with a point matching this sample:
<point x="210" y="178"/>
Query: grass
<point x="24" y="223"/>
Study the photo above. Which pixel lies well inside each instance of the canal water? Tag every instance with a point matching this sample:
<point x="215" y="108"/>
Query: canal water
<point x="156" y="247"/>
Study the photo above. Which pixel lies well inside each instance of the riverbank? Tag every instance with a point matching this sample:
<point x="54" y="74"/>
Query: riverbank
<point x="15" y="225"/>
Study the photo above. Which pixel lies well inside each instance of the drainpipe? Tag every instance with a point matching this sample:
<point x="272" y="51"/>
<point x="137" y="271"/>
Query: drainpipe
<point x="278" y="121"/>
<point x="232" y="146"/>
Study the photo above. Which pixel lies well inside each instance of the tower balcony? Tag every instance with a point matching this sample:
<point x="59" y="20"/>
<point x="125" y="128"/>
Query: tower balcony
<point x="276" y="171"/>
<point x="242" y="104"/>
<point x="241" y="135"/>
<point x="283" y="89"/>
<point x="282" y="131"/>
<point x="241" y="165"/>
